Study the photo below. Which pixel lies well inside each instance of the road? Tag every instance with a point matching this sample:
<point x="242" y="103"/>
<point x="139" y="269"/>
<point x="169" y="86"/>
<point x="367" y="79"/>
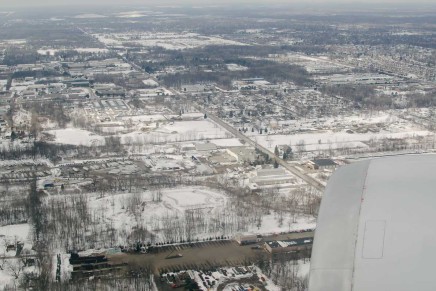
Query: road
<point x="309" y="180"/>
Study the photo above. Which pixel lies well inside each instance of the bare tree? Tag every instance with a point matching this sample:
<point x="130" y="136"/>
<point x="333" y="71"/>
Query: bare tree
<point x="15" y="267"/>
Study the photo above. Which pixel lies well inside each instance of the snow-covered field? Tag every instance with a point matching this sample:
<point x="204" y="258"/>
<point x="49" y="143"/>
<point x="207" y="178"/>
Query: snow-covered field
<point x="178" y="200"/>
<point x="172" y="41"/>
<point x="10" y="235"/>
<point x="227" y="142"/>
<point x="116" y="210"/>
<point x="323" y="140"/>
<point x="173" y="200"/>
<point x="52" y="52"/>
<point x="179" y="131"/>
<point x="236" y="67"/>
<point x="149" y="129"/>
<point x="13" y="233"/>
<point x="165" y="214"/>
<point x="75" y="136"/>
<point x="340" y="132"/>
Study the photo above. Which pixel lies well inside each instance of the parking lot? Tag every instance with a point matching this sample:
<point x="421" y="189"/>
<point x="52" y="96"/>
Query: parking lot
<point x="202" y="255"/>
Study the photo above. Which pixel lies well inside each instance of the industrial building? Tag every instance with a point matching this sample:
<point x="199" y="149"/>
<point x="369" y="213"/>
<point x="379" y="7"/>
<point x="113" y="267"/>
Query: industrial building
<point x="321" y="164"/>
<point x="271" y="177"/>
<point x="291" y="245"/>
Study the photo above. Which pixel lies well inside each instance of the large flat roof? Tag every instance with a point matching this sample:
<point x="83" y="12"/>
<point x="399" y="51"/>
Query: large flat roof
<point x="375" y="227"/>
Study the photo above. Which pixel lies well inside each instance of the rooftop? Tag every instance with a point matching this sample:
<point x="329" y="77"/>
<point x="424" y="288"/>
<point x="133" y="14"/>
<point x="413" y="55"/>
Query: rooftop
<point x="324" y="162"/>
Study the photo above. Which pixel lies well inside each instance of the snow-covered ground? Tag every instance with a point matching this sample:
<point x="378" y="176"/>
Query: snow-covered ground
<point x="236" y="67"/>
<point x="157" y="130"/>
<point x="75" y="136"/>
<point x="270" y="224"/>
<point x="323" y="140"/>
<point x="179" y="131"/>
<point x="51" y="52"/>
<point x="233" y="275"/>
<point x="117" y="210"/>
<point x="10" y="235"/>
<point x="227" y="142"/>
<point x="172" y="41"/>
<point x="160" y="211"/>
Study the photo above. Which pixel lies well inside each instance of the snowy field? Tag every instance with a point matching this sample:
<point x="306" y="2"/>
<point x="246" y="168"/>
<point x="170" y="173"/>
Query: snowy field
<point x="236" y="67"/>
<point x="145" y="129"/>
<point x="10" y="235"/>
<point x="171" y="41"/>
<point x="51" y="52"/>
<point x="123" y="211"/>
<point x="341" y="132"/>
<point x="333" y="140"/>
<point x="75" y="136"/>
<point x="161" y="117"/>
<point x="164" y="213"/>
<point x="227" y="142"/>
<point x="179" y="131"/>
<point x="173" y="200"/>
<point x="13" y="233"/>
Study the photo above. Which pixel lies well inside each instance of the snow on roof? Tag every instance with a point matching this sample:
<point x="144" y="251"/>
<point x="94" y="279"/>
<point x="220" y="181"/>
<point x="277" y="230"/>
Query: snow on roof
<point x="374" y="228"/>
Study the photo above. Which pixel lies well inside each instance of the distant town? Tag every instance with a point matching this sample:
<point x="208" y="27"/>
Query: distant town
<point x="187" y="148"/>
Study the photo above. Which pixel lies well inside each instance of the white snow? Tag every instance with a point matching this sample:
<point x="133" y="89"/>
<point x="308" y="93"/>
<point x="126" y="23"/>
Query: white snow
<point x="227" y="142"/>
<point x="172" y="41"/>
<point x="179" y="131"/>
<point x="75" y="136"/>
<point x="329" y="139"/>
<point x="13" y="233"/>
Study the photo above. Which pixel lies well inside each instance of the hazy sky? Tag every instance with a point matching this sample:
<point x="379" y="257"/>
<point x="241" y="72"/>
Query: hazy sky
<point x="10" y="3"/>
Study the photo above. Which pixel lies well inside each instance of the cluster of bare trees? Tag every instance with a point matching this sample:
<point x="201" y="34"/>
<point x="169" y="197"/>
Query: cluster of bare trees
<point x="13" y="212"/>
<point x="138" y="278"/>
<point x="286" y="274"/>
<point x="53" y="110"/>
<point x="34" y="150"/>
<point x="17" y="55"/>
<point x="359" y="94"/>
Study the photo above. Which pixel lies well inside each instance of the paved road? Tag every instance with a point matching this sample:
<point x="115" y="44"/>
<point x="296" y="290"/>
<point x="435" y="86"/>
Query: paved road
<point x="309" y="180"/>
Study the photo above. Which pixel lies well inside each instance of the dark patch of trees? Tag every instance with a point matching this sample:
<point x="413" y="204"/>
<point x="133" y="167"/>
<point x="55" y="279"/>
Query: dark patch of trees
<point x="360" y="95"/>
<point x="37" y="149"/>
<point x="15" y="56"/>
<point x="422" y="100"/>
<point x="271" y="71"/>
<point x="36" y="74"/>
<point x="51" y="109"/>
<point x="35" y="209"/>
